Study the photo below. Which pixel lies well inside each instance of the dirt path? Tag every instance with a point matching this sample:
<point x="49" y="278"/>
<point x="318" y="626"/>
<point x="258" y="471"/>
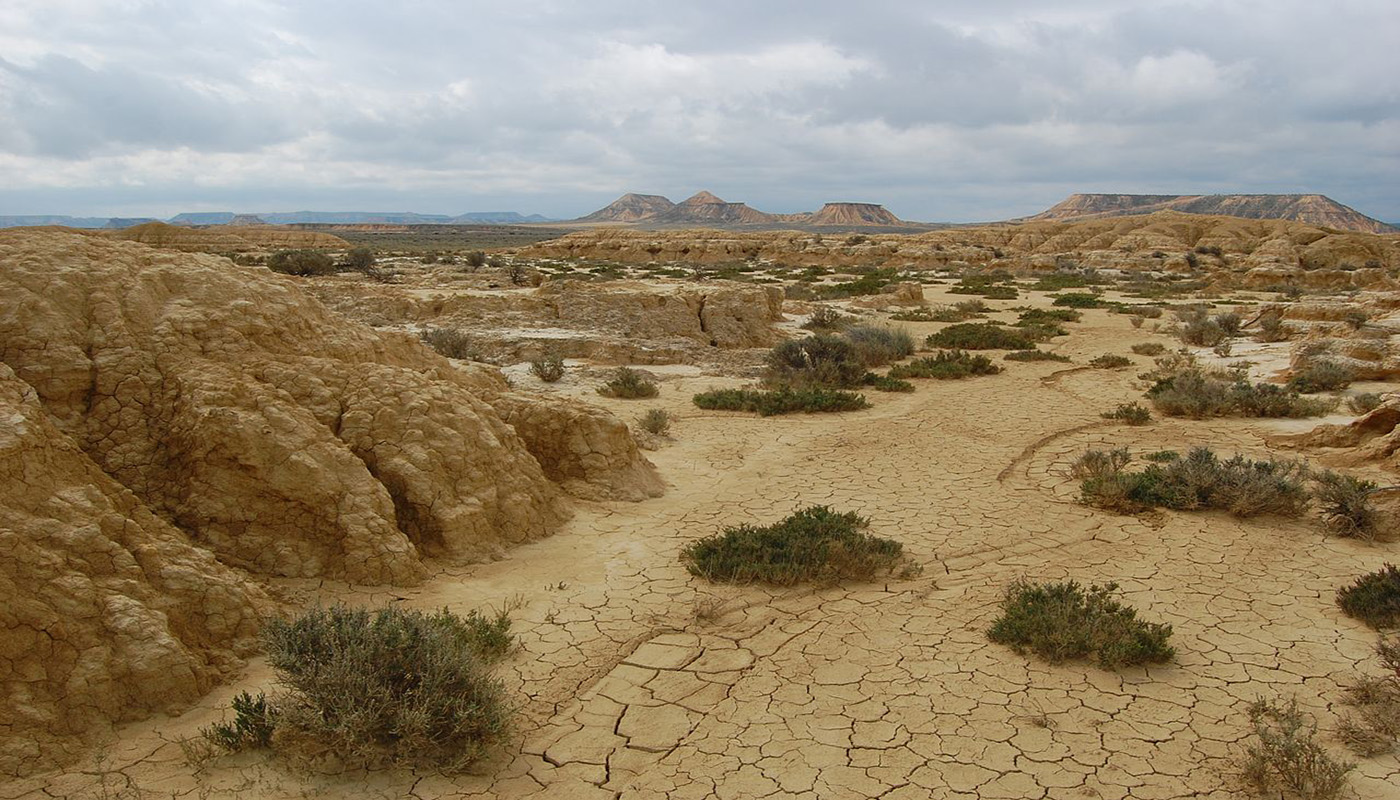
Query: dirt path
<point x="642" y="682"/>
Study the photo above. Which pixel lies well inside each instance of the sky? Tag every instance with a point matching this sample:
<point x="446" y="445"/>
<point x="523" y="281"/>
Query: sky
<point x="956" y="111"/>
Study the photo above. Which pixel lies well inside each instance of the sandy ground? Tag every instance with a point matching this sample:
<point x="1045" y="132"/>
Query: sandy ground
<point x="638" y="681"/>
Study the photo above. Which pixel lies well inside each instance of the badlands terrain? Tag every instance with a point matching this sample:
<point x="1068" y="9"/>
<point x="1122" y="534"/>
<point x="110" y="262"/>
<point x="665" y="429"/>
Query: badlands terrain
<point x="198" y="444"/>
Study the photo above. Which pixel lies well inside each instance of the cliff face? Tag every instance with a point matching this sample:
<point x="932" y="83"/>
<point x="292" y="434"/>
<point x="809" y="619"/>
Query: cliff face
<point x="1314" y="209"/>
<point x="231" y="239"/>
<point x="860" y="214"/>
<point x="174" y="418"/>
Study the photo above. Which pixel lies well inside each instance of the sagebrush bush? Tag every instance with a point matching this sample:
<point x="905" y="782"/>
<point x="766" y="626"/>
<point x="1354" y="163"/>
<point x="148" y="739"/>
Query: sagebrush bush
<point x="826" y="318"/>
<point x="301" y="262"/>
<point x="1130" y="413"/>
<point x="390" y="686"/>
<point x="548" y="367"/>
<point x="1346" y="504"/>
<point x="1184" y="389"/>
<point x="1043" y="316"/>
<point x="1285" y="755"/>
<point x="629" y="384"/>
<point x="816" y="361"/>
<point x="781" y="401"/>
<point x="655" y="421"/>
<point x="1376" y="727"/>
<point x="813" y="544"/>
<point x="1364" y="403"/>
<point x="981" y="336"/>
<point x="1200" y="480"/>
<point x="1034" y="355"/>
<point x="1110" y="361"/>
<point x="1374" y="598"/>
<point x="1149" y="348"/>
<point x="877" y="346"/>
<point x="884" y="383"/>
<point x="946" y="365"/>
<point x="1064" y="621"/>
<point x="1080" y="300"/>
<point x="451" y="342"/>
<point x="254" y="721"/>
<point x="1321" y="376"/>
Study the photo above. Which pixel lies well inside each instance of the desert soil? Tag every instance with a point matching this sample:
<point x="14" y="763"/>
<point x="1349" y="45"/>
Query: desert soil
<point x="639" y="681"/>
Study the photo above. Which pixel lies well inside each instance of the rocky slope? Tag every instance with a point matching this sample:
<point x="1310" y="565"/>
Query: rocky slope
<point x="1252" y="253"/>
<point x="175" y="418"/>
<point x="703" y="208"/>
<point x="1313" y="209"/>
<point x="854" y="214"/>
<point x="631" y="208"/>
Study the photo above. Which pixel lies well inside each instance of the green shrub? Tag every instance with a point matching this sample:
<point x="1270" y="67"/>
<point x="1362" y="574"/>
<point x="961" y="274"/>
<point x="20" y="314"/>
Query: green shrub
<point x="629" y="384"/>
<point x="1110" y="361"/>
<point x="1063" y="621"/>
<point x="301" y="262"/>
<point x="391" y="685"/>
<point x="980" y="336"/>
<point x="1376" y="729"/>
<point x="451" y="343"/>
<point x="1080" y="300"/>
<point x="1162" y="456"/>
<point x="1059" y="281"/>
<point x="1374" y="598"/>
<point x="1035" y="355"/>
<point x="1321" y="376"/>
<point x="816" y="361"/>
<point x="1200" y="480"/>
<point x="1197" y="327"/>
<point x="1184" y="389"/>
<point x="1364" y="403"/>
<point x="1149" y="348"/>
<point x="1048" y="316"/>
<point x="1271" y="327"/>
<point x="548" y="368"/>
<point x="1130" y="413"/>
<point x="360" y="259"/>
<point x="254" y="720"/>
<point x="825" y="319"/>
<point x="870" y="283"/>
<point x="780" y="401"/>
<point x="655" y="421"/>
<point x="1346" y="504"/>
<point x="884" y="383"/>
<point x="814" y="544"/>
<point x="958" y="312"/>
<point x="877" y="345"/>
<point x="949" y="364"/>
<point x="476" y="259"/>
<point x="1285" y="756"/>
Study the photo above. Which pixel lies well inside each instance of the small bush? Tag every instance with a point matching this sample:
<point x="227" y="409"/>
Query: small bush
<point x="1321" y="376"/>
<point x="1271" y="327"/>
<point x="548" y="368"/>
<point x="1364" y="403"/>
<point x="1243" y="487"/>
<point x="946" y="365"/>
<point x="1080" y="300"/>
<point x="451" y="343"/>
<point x="1063" y="621"/>
<point x="360" y="259"/>
<point x="825" y="319"/>
<point x="1197" y="327"/>
<point x="814" y="544"/>
<point x="1110" y="361"/>
<point x="884" y="383"/>
<point x="1183" y="389"/>
<point x="1035" y="355"/>
<point x="780" y="401"/>
<point x="656" y="421"/>
<point x="816" y="361"/>
<point x="1346" y="504"/>
<point x="629" y="384"/>
<point x="254" y="720"/>
<point x="1285" y="755"/>
<point x="1376" y="728"/>
<point x="1044" y="316"/>
<point x="980" y="336"/>
<point x="1162" y="456"/>
<point x="1130" y="413"/>
<point x="301" y="262"/>
<point x="1149" y="348"/>
<point x="877" y="346"/>
<point x="391" y="685"/>
<point x="1137" y="320"/>
<point x="1374" y="598"/>
<point x="871" y="282"/>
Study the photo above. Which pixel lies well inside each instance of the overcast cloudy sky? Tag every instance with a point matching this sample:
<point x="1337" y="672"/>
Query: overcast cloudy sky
<point x="957" y="111"/>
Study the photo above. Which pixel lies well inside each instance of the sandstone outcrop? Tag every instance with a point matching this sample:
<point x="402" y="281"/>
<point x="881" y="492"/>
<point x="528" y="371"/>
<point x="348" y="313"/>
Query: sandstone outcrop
<point x="1313" y="209"/>
<point x="109" y="612"/>
<point x="853" y="215"/>
<point x="1371" y="438"/>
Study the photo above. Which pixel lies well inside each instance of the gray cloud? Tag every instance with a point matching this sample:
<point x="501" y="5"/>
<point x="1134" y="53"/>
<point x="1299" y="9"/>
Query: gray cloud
<point x="949" y="111"/>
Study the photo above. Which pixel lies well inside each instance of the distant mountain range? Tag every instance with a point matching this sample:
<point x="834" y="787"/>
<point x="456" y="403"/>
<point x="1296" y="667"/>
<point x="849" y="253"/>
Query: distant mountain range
<point x="282" y="218"/>
<point x="1314" y="209"/>
<point x="703" y="209"/>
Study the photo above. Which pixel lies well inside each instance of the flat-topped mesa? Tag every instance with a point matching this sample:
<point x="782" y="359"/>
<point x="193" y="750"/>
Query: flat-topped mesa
<point x="1314" y="209"/>
<point x="854" y="214"/>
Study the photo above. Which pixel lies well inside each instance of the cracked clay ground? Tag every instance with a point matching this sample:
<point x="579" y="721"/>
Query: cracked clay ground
<point x="641" y="682"/>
